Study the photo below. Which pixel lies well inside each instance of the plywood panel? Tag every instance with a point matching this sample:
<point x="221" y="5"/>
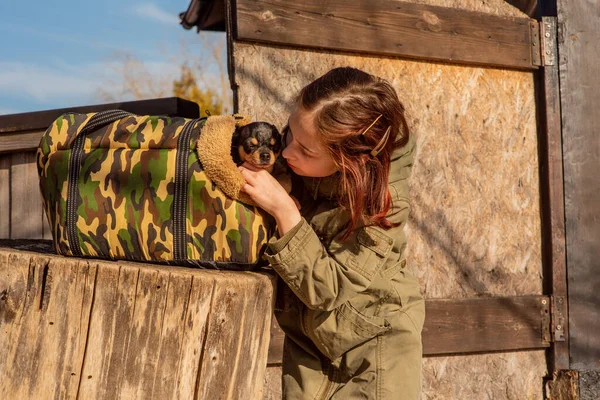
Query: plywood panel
<point x="475" y="226"/>
<point x="26" y="200"/>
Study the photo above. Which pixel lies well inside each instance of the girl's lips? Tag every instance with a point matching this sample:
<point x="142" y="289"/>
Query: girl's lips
<point x="291" y="165"/>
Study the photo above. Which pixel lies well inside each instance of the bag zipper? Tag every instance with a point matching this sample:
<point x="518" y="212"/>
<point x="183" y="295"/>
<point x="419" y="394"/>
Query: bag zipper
<point x="181" y="191"/>
<point x="96" y="121"/>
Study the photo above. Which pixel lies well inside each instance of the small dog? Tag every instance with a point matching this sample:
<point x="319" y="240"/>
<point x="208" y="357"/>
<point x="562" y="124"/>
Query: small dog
<point x="258" y="143"/>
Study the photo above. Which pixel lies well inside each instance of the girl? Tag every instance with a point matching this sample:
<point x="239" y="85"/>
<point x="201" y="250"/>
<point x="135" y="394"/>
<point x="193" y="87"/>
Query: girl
<point x="353" y="323"/>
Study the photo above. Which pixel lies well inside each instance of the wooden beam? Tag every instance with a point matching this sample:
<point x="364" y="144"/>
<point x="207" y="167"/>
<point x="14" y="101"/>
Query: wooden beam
<point x="390" y="28"/>
<point x="42" y="119"/>
<point x="21" y="142"/>
<point x="454" y="326"/>
<point x="483" y="325"/>
<point x="552" y="192"/>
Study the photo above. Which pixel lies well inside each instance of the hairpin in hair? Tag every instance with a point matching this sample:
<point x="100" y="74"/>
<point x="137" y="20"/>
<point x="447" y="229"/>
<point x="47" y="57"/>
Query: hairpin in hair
<point x="382" y="142"/>
<point x="372" y="123"/>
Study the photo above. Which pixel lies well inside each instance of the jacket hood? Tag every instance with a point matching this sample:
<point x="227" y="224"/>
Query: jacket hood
<point x="402" y="161"/>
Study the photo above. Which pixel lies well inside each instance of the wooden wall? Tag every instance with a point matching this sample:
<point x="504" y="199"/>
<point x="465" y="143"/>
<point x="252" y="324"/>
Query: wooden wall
<point x="475" y="227"/>
<point x="21" y="210"/>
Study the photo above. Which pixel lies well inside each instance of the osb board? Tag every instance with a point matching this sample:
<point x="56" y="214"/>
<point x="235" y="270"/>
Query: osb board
<point x="499" y="8"/>
<point x="508" y="376"/>
<point x="475" y="219"/>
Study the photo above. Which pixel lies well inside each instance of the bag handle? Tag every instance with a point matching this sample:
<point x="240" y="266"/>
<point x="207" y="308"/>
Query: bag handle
<point x="100" y="120"/>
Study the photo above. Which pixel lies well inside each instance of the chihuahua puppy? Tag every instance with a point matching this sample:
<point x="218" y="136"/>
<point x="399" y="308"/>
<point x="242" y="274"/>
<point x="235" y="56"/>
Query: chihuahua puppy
<point x="258" y="143"/>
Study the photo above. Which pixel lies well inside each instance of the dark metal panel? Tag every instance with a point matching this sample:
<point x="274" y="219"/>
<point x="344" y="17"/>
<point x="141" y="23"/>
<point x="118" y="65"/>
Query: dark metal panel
<point x="579" y="57"/>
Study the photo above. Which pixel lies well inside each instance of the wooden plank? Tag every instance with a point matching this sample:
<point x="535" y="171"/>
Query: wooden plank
<point x="43" y="319"/>
<point x="5" y="197"/>
<point x="579" y="51"/>
<point x="457" y="326"/>
<point x="391" y="28"/>
<point x="229" y="305"/>
<point x="20" y="142"/>
<point x="256" y="330"/>
<point x="276" y="343"/>
<point x="40" y="120"/>
<point x="26" y="211"/>
<point x="483" y="324"/>
<point x="108" y="336"/>
<point x="552" y="193"/>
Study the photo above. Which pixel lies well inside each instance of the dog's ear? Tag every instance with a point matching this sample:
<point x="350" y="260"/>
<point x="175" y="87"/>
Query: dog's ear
<point x="236" y="133"/>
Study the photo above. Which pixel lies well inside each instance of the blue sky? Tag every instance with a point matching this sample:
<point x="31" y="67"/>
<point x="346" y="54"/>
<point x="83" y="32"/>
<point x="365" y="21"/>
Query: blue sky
<point x="64" y="53"/>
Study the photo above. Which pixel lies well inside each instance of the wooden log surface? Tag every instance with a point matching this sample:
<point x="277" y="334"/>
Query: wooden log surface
<point x="95" y="329"/>
<point x="391" y="28"/>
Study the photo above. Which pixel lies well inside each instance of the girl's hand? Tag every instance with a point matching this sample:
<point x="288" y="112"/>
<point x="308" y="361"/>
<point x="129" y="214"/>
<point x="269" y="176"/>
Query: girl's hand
<point x="268" y="194"/>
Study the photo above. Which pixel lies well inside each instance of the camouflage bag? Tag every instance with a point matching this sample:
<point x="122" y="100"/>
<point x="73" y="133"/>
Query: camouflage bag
<point x="121" y="186"/>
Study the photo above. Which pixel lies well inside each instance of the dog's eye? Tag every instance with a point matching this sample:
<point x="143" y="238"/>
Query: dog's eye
<point x="251" y="143"/>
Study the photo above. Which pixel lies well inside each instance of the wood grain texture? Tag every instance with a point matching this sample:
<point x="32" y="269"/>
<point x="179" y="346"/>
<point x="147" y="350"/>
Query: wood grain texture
<point x="26" y="211"/>
<point x="19" y="142"/>
<point x="458" y="326"/>
<point x="93" y="329"/>
<point x="389" y="28"/>
<point x="5" y="161"/>
<point x="552" y="192"/>
<point x="579" y="51"/>
<point x="43" y="339"/>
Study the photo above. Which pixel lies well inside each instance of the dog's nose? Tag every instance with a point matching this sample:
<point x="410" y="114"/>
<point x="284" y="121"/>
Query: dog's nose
<point x="265" y="156"/>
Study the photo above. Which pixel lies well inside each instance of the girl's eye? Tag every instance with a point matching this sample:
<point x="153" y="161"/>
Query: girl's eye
<point x="307" y="153"/>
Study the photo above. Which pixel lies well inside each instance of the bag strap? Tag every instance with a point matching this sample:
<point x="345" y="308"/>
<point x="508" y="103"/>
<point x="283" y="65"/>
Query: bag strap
<point x="99" y="120"/>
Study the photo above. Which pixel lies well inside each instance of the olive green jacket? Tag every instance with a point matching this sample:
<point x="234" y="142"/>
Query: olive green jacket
<point x="351" y="290"/>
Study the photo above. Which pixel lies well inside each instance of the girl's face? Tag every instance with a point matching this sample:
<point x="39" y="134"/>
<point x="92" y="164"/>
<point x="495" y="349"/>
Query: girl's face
<point x="303" y="151"/>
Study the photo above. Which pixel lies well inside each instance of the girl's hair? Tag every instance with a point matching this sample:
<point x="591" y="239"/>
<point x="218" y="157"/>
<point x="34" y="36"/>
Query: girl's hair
<point x="345" y="102"/>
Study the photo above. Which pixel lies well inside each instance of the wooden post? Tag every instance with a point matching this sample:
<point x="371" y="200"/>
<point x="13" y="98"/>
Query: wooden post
<point x="552" y="194"/>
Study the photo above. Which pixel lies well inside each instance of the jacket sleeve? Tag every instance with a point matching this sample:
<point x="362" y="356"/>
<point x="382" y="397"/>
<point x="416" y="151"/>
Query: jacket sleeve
<point x="324" y="276"/>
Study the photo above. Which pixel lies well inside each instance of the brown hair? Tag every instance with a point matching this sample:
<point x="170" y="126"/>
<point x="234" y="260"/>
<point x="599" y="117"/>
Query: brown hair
<point x="345" y="102"/>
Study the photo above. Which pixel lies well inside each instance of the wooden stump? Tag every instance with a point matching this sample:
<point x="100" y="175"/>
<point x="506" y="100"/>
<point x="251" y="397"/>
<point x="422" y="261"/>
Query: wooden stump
<point x="92" y="329"/>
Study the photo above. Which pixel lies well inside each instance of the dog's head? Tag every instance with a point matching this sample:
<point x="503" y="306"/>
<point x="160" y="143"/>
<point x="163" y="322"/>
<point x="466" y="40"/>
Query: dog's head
<point x="258" y="143"/>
